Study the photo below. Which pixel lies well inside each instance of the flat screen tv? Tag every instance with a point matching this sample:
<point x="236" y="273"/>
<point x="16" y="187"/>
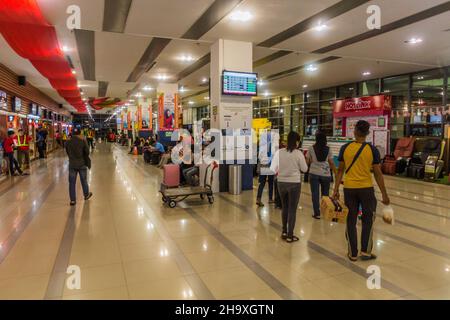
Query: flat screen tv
<point x="436" y="118"/>
<point x="239" y="83"/>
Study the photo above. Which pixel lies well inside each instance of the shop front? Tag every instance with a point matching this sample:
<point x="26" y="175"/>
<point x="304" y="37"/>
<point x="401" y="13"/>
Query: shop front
<point x="374" y="109"/>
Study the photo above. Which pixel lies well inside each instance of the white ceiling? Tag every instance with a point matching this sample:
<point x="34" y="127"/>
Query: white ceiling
<point x="117" y="54"/>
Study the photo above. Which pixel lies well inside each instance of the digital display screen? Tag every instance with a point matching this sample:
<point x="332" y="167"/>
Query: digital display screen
<point x="240" y="83"/>
<point x="436" y="119"/>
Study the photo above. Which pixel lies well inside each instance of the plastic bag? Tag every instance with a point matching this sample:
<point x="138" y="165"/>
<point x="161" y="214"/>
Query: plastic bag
<point x="388" y="215"/>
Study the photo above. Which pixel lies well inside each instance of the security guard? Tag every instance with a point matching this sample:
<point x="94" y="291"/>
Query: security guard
<point x="23" y="149"/>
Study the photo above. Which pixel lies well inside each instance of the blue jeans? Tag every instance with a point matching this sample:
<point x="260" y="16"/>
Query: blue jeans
<point x="317" y="183"/>
<point x="73" y="180"/>
<point x="262" y="182"/>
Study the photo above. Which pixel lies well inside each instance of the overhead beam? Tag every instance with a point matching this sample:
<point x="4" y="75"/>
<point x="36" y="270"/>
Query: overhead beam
<point x="115" y="15"/>
<point x="85" y="40"/>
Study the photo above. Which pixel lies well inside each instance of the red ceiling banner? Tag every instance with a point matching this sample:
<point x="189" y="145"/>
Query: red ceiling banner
<point x="30" y="35"/>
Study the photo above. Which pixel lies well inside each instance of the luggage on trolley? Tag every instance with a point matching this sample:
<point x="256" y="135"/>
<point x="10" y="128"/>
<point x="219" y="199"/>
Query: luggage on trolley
<point x="171" y="196"/>
<point x="171" y="177"/>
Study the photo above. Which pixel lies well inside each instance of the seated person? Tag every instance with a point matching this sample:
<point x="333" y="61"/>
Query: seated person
<point x="165" y="158"/>
<point x="137" y="144"/>
<point x="157" y="146"/>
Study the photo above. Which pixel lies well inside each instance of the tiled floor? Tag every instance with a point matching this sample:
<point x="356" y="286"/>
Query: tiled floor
<point x="129" y="246"/>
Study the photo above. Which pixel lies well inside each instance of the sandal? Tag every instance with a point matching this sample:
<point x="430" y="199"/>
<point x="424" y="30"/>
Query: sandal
<point x="352" y="259"/>
<point x="292" y="239"/>
<point x="284" y="236"/>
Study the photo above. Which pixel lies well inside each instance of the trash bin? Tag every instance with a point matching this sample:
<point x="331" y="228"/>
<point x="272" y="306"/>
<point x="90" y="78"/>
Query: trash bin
<point x="235" y="179"/>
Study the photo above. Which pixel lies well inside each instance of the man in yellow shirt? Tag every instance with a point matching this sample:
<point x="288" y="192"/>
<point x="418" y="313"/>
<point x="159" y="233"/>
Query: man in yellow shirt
<point x="357" y="160"/>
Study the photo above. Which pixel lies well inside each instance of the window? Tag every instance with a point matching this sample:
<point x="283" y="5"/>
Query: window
<point x="328" y="94"/>
<point x="312" y="96"/>
<point x="347" y="91"/>
<point x="369" y="88"/>
<point x="433" y="78"/>
<point x="396" y="84"/>
<point x="326" y="117"/>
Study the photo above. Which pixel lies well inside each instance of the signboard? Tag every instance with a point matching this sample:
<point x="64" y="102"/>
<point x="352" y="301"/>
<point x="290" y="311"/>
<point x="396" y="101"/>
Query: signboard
<point x="364" y="106"/>
<point x="3" y="101"/>
<point x="33" y="109"/>
<point x="236" y="116"/>
<point x="17" y="104"/>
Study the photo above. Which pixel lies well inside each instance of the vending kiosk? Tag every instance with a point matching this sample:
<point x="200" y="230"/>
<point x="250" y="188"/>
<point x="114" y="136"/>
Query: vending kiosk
<point x="374" y="109"/>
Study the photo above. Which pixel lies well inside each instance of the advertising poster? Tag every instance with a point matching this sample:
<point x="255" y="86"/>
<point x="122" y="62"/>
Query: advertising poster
<point x="3" y="101"/>
<point x="139" y="123"/>
<point x="166" y="103"/>
<point x="146" y="118"/>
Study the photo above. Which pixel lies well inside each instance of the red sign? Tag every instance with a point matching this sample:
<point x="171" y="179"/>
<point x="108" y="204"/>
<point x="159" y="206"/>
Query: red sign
<point x="364" y="106"/>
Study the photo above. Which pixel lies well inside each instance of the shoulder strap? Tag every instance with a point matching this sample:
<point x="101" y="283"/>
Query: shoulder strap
<point x="356" y="157"/>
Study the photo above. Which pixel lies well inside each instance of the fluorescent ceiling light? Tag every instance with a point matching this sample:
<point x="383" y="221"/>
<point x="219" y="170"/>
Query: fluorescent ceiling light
<point x="242" y="16"/>
<point x="414" y="41"/>
<point x="147" y="88"/>
<point x="311" y="68"/>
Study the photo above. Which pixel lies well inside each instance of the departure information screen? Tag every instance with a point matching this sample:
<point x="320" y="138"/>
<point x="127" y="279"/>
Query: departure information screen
<point x="239" y="83"/>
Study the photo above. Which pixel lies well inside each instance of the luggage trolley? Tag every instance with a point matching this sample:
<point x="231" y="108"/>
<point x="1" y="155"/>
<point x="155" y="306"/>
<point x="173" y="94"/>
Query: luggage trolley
<point x="172" y="196"/>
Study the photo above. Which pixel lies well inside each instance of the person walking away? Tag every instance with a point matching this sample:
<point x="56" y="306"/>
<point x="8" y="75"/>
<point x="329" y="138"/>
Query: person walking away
<point x="64" y="138"/>
<point x="288" y="163"/>
<point x="8" y="147"/>
<point x="357" y="159"/>
<point x="320" y="161"/>
<point x="265" y="158"/>
<point x="23" y="150"/>
<point x="78" y="151"/>
<point x="90" y="139"/>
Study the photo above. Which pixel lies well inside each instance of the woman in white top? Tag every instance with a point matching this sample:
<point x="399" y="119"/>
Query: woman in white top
<point x="288" y="163"/>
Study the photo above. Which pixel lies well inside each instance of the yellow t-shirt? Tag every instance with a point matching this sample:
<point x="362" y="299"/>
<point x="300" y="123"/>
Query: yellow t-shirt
<point x="360" y="174"/>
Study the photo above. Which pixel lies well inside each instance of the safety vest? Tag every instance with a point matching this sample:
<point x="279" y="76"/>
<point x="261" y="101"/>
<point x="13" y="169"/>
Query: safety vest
<point x="24" y="143"/>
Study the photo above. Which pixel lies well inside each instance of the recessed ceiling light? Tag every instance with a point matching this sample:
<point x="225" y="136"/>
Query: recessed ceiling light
<point x="420" y="78"/>
<point x="414" y="41"/>
<point x="131" y="100"/>
<point x="285" y="99"/>
<point x="147" y="88"/>
<point x="305" y="86"/>
<point x="162" y="77"/>
<point x="206" y="98"/>
<point x="74" y="72"/>
<point x="366" y="73"/>
<point x="242" y="16"/>
<point x="204" y="80"/>
<point x="266" y="94"/>
<point x="182" y="89"/>
<point x="191" y="102"/>
<point x="320" y="26"/>
<point x="65" y="49"/>
<point x="311" y="68"/>
<point x="261" y="83"/>
<point x="186" y="58"/>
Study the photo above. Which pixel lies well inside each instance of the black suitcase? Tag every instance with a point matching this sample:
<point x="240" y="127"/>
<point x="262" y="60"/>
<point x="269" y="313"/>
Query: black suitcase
<point x="147" y="157"/>
<point x="156" y="158"/>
